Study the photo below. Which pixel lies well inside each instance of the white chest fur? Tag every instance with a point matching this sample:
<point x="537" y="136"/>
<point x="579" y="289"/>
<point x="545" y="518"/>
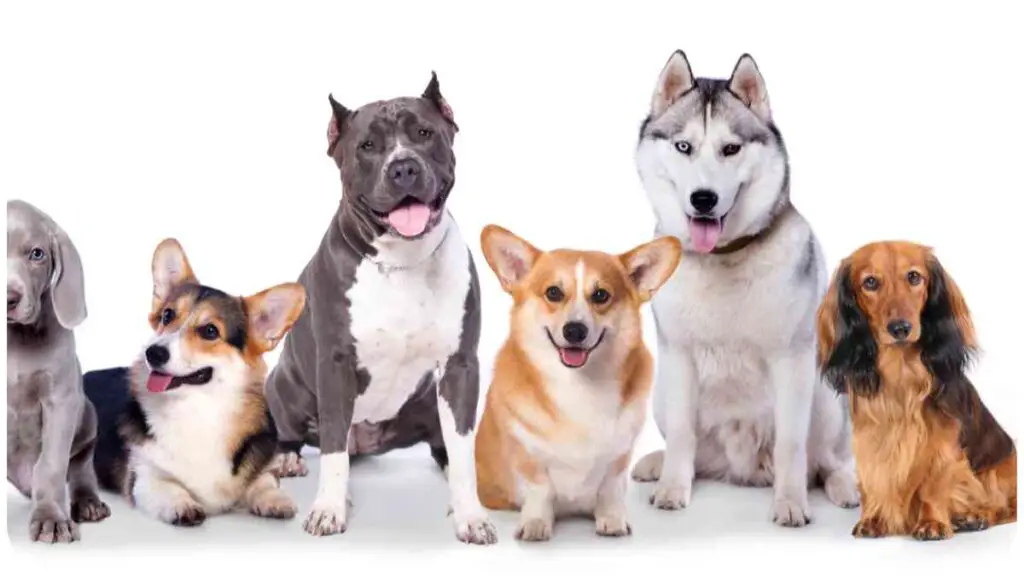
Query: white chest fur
<point x="407" y="316"/>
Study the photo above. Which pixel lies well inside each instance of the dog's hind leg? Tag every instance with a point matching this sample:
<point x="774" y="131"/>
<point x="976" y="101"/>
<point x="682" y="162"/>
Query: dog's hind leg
<point x="265" y="498"/>
<point x="291" y="419"/>
<point x="86" y="505"/>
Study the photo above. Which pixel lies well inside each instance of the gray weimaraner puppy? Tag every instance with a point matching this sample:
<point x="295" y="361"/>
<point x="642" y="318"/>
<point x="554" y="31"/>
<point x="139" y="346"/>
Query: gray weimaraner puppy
<point x="51" y="426"/>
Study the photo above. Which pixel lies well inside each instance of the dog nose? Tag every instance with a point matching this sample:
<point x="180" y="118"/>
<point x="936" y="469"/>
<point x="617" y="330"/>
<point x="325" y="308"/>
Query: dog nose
<point x="574" y="332"/>
<point x="404" y="173"/>
<point x="899" y="329"/>
<point x="704" y="201"/>
<point x="13" y="299"/>
<point x="157" y="356"/>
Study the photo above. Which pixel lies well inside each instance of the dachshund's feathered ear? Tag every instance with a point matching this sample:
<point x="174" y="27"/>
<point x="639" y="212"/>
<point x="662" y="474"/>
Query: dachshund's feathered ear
<point x="947" y="332"/>
<point x="847" y="351"/>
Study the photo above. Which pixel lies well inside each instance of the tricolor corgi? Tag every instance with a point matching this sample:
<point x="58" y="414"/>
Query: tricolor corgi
<point x="185" y="432"/>
<point x="570" y="387"/>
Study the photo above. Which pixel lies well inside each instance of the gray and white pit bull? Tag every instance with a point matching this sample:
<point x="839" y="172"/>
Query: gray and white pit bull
<point x="51" y="427"/>
<point x="385" y="354"/>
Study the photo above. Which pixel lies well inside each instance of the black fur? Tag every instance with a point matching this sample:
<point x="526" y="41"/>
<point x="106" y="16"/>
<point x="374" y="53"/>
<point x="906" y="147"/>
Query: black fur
<point x="108" y="390"/>
<point x="943" y="349"/>
<point x="255" y="452"/>
<point x="852" y="366"/>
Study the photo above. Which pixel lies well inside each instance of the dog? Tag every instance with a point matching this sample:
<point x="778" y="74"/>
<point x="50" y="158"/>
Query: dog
<point x="571" y="383"/>
<point x="385" y="355"/>
<point x="737" y="395"/>
<point x="51" y="427"/>
<point x="895" y="334"/>
<point x="185" y="431"/>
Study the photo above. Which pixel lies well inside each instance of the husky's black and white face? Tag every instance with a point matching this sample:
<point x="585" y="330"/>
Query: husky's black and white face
<point x="712" y="162"/>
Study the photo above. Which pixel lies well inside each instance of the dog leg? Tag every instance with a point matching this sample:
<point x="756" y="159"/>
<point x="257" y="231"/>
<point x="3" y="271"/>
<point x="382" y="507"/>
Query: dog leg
<point x="86" y="505"/>
<point x="793" y="379"/>
<point x="610" y="512"/>
<point x="288" y="462"/>
<point x="165" y="499"/>
<point x="265" y="498"/>
<point x="677" y="378"/>
<point x="62" y="411"/>
<point x="537" y="516"/>
<point x="456" y="405"/>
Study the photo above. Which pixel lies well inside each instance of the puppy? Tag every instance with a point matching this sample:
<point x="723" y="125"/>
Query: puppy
<point x="51" y="428"/>
<point x="185" y="432"/>
<point x="570" y="387"/>
<point x="895" y="334"/>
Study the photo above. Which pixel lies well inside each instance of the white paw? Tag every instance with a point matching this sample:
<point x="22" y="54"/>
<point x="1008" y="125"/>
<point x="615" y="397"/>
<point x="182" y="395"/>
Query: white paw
<point x="671" y="497"/>
<point x="534" y="530"/>
<point x="613" y="525"/>
<point x="288" y="465"/>
<point x="475" y="528"/>
<point x="841" y="489"/>
<point x="648" y="468"/>
<point x="790" y="512"/>
<point x="184" y="513"/>
<point x="326" y="519"/>
<point x="274" y="504"/>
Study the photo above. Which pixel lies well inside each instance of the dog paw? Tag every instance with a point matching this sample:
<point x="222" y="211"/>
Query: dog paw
<point x="671" y="497"/>
<point x="534" y="530"/>
<point x="89" y="508"/>
<point x="48" y="524"/>
<point x="326" y="519"/>
<point x="648" y="468"/>
<point x="928" y="530"/>
<point x="274" y="504"/>
<point x="841" y="489"/>
<point x="475" y="529"/>
<point x="288" y="465"/>
<point x="869" y="528"/>
<point x="187" y="514"/>
<point x="613" y="525"/>
<point x="970" y="523"/>
<point x="791" y="513"/>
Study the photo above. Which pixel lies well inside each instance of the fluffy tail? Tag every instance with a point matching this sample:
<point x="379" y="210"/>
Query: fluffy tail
<point x="108" y="390"/>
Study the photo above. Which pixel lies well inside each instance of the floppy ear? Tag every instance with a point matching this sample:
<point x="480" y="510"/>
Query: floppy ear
<point x="675" y="80"/>
<point x="947" y="332"/>
<point x="508" y="255"/>
<point x="847" y="351"/>
<point x="650" y="265"/>
<point x="338" y="115"/>
<point x="433" y="94"/>
<point x="272" y="313"/>
<point x="67" y="283"/>
<point x="170" y="269"/>
<point x="748" y="85"/>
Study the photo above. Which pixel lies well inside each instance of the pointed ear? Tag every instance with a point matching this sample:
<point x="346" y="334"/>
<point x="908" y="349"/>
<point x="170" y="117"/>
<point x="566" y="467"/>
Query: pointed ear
<point x="170" y="269"/>
<point x="675" y="80"/>
<point x="338" y="115"/>
<point x="508" y="255"/>
<point x="947" y="332"/>
<point x="433" y="95"/>
<point x="747" y="84"/>
<point x="67" y="284"/>
<point x="272" y="313"/>
<point x="847" y="351"/>
<point x="650" y="265"/>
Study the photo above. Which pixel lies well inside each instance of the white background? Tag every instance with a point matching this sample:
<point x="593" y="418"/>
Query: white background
<point x="130" y="122"/>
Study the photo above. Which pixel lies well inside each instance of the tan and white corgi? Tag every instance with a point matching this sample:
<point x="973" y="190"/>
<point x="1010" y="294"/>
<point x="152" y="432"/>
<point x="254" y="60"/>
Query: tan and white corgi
<point x="185" y="432"/>
<point x="570" y="387"/>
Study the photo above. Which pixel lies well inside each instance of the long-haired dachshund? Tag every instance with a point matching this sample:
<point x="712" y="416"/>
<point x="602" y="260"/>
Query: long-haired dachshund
<point x="895" y="334"/>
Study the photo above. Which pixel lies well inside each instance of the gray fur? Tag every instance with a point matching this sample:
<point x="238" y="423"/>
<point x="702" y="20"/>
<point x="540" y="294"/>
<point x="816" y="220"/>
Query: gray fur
<point x="51" y="427"/>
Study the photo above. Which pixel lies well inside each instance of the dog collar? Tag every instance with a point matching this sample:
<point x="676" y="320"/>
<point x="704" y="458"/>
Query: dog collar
<point x="736" y="245"/>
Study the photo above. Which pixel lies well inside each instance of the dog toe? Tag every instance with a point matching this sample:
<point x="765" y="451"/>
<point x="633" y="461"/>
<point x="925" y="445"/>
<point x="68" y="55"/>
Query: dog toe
<point x="930" y="530"/>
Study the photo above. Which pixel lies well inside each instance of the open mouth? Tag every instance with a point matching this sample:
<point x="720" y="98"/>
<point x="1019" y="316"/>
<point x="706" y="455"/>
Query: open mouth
<point x="705" y="231"/>
<point x="574" y="356"/>
<point x="162" y="382"/>
<point x="411" y="217"/>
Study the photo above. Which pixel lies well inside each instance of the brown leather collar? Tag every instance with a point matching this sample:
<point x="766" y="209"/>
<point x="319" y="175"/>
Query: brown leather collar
<point x="737" y="244"/>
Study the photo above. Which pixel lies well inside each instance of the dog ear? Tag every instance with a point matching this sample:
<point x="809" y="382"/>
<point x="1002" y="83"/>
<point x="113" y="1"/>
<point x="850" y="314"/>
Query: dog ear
<point x="747" y="84"/>
<point x="947" y="332"/>
<point x="338" y="115"/>
<point x="508" y="255"/>
<point x="170" y="269"/>
<point x="433" y="95"/>
<point x="847" y="351"/>
<point x="675" y="80"/>
<point x="650" y="265"/>
<point x="272" y="313"/>
<point x="67" y="282"/>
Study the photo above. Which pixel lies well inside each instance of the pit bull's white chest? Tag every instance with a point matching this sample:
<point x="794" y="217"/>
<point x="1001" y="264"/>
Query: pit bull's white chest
<point x="406" y="323"/>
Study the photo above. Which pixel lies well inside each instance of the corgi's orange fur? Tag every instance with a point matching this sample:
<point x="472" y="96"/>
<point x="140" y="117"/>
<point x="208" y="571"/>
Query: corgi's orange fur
<point x="570" y="386"/>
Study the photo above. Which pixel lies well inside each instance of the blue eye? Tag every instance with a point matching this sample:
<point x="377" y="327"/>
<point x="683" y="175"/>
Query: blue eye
<point x="36" y="254"/>
<point x="684" y="147"/>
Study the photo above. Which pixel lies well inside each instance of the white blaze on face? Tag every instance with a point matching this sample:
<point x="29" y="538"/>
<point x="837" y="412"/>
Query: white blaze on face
<point x="581" y="271"/>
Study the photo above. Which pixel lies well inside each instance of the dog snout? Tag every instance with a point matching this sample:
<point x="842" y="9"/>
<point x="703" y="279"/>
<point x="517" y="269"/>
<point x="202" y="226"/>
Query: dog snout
<point x="575" y="332"/>
<point x="704" y="201"/>
<point x="157" y="356"/>
<point x="899" y="329"/>
<point x="13" y="298"/>
<point x="405" y="173"/>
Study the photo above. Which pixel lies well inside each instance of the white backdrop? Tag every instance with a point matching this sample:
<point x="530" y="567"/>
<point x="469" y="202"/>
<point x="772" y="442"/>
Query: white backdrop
<point x="129" y="122"/>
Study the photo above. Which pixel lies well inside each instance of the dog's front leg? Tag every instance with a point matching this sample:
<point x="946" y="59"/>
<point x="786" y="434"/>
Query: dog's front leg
<point x="50" y="520"/>
<point x="677" y="378"/>
<point x="610" y="512"/>
<point x="793" y="377"/>
<point x="164" y="498"/>
<point x="457" y="397"/>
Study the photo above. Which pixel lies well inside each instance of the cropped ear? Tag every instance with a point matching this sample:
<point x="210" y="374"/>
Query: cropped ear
<point x="67" y="283"/>
<point x="272" y="313"/>
<point x="650" y="265"/>
<point x="170" y="270"/>
<point x="675" y="80"/>
<point x="947" y="333"/>
<point x="747" y="84"/>
<point x="433" y="94"/>
<point x="847" y="351"/>
<point x="338" y="115"/>
<point x="508" y="255"/>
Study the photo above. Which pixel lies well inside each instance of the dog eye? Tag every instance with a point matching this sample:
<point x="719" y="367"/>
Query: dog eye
<point x="730" y="149"/>
<point x="600" y="296"/>
<point x="366" y="145"/>
<point x="426" y="133"/>
<point x="554" y="294"/>
<point x="209" y="332"/>
<point x="870" y="283"/>
<point x="683" y="146"/>
<point x="36" y="254"/>
<point x="914" y="277"/>
<point x="167" y="316"/>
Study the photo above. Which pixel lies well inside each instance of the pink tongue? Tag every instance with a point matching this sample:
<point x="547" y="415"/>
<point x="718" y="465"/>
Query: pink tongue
<point x="574" y="358"/>
<point x="410" y="220"/>
<point x="158" y="382"/>
<point x="704" y="234"/>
